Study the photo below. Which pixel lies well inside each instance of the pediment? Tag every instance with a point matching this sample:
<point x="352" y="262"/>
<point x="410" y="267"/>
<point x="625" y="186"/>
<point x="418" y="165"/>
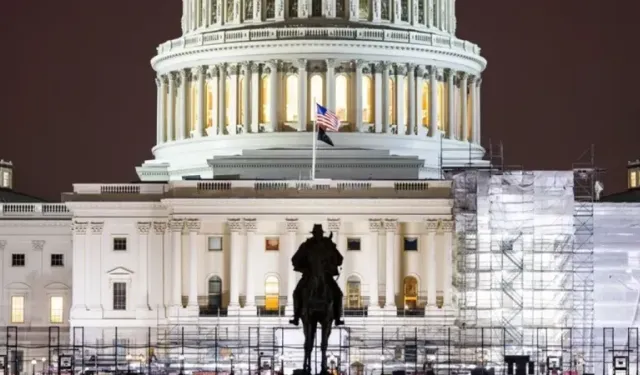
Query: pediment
<point x="120" y="271"/>
<point x="57" y="286"/>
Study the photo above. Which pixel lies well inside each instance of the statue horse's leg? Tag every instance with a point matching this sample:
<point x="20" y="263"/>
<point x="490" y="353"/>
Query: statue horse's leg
<point x="324" y="343"/>
<point x="309" y="327"/>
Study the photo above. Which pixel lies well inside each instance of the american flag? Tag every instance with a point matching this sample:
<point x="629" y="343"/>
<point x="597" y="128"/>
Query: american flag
<point x="327" y="119"/>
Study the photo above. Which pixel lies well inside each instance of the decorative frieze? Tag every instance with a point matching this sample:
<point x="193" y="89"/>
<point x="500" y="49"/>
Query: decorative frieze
<point x="96" y="227"/>
<point x="334" y="225"/>
<point x="193" y="225"/>
<point x="79" y="228"/>
<point x="391" y="225"/>
<point x="292" y="225"/>
<point x="235" y="225"/>
<point x="38" y="245"/>
<point x="250" y="224"/>
<point x="376" y="225"/>
<point x="176" y="225"/>
<point x="159" y="227"/>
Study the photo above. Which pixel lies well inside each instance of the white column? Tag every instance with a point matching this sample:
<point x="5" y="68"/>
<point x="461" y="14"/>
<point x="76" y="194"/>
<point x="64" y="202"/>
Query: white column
<point x="331" y="83"/>
<point x="193" y="226"/>
<point x="433" y="101"/>
<point x="302" y="95"/>
<point x="447" y="247"/>
<point x="431" y="227"/>
<point x="328" y="9"/>
<point x="201" y="71"/>
<point x="184" y="96"/>
<point x="219" y="12"/>
<point x="412" y="100"/>
<point x="235" y="227"/>
<point x="453" y="120"/>
<point x="143" y="265"/>
<point x="237" y="6"/>
<point x="232" y="70"/>
<point x="160" y="109"/>
<point x="291" y="246"/>
<point x="176" y="227"/>
<point x="161" y="251"/>
<point x="375" y="226"/>
<point x="476" y="128"/>
<point x="390" y="226"/>
<point x="252" y="246"/>
<point x="94" y="254"/>
<point x="222" y="105"/>
<point x="211" y="74"/>
<point x="414" y="13"/>
<point x="171" y="105"/>
<point x="79" y="231"/>
<point x="354" y="10"/>
<point x="385" y="98"/>
<point x="401" y="73"/>
<point x="378" y="94"/>
<point x="474" y="105"/>
<point x="246" y="95"/>
<point x="464" y="86"/>
<point x="429" y="15"/>
<point x="422" y="130"/>
<point x="280" y="4"/>
<point x="255" y="97"/>
<point x="273" y="96"/>
<point x="356" y="107"/>
<point x="257" y="11"/>
<point x="377" y="10"/>
<point x="335" y="226"/>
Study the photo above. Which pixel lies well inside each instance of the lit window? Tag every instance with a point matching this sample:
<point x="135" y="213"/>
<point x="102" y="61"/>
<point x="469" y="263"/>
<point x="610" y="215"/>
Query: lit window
<point x="272" y="293"/>
<point x="56" y="313"/>
<point x="212" y="102"/>
<point x="353" y="292"/>
<point x="367" y="100"/>
<point x="240" y="101"/>
<point x="17" y="309"/>
<point x="410" y="292"/>
<point x="405" y="101"/>
<point x="119" y="296"/>
<point x="342" y="93"/>
<point x="392" y="101"/>
<point x="272" y="244"/>
<point x="291" y="91"/>
<point x="425" y="104"/>
<point x="316" y="90"/>
<point x="5" y="179"/>
<point x="265" y="101"/>
<point x="633" y="179"/>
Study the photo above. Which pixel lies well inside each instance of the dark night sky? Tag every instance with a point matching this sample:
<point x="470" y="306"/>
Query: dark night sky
<point x="78" y="96"/>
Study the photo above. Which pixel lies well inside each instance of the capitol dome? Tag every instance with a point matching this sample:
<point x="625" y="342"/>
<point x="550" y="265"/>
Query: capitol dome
<point x="244" y="76"/>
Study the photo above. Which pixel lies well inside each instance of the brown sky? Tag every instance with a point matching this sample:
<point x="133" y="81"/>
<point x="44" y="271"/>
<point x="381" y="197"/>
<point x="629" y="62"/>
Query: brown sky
<point x="78" y="101"/>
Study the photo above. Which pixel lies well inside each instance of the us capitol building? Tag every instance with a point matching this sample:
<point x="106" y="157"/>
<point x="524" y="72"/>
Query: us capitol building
<point x="439" y="241"/>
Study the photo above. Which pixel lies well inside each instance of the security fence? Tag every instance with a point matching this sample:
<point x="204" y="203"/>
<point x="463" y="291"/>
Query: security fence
<point x="238" y="349"/>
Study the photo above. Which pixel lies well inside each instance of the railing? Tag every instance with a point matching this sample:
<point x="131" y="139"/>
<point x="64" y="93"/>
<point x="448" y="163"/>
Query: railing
<point x="34" y="210"/>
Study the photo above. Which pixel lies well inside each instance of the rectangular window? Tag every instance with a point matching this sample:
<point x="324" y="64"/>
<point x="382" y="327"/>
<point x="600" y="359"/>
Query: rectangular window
<point x="17" y="309"/>
<point x="633" y="179"/>
<point x="272" y="244"/>
<point x="353" y="244"/>
<point x="57" y="260"/>
<point x="215" y="243"/>
<point x="119" y="296"/>
<point x="56" y="310"/>
<point x="410" y="244"/>
<point x="120" y="244"/>
<point x="17" y="260"/>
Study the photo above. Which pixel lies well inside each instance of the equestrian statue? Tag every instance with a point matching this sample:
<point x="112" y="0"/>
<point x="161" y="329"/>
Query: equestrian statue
<point x="317" y="298"/>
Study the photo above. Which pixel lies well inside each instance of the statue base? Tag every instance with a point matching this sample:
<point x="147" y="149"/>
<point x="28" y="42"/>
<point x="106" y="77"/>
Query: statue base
<point x="300" y="371"/>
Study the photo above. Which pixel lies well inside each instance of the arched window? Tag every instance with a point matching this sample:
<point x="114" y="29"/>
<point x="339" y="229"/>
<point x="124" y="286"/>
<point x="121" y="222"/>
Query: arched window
<point x="291" y="94"/>
<point x="317" y="94"/>
<point x="214" y="292"/>
<point x="410" y="292"/>
<point x="227" y="101"/>
<point x="240" y="101"/>
<point x="342" y="97"/>
<point x="425" y="104"/>
<point x="367" y="100"/>
<point x="363" y="11"/>
<point x="271" y="293"/>
<point x="212" y="102"/>
<point x="392" y="101"/>
<point x="354" y="295"/>
<point x="265" y="99"/>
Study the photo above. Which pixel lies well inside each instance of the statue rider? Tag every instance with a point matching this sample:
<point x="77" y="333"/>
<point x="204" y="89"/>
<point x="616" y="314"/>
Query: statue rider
<point x="300" y="259"/>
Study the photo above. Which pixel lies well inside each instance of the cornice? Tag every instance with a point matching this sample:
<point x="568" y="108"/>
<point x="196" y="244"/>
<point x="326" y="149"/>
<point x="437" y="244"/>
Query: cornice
<point x="109" y="205"/>
<point x="36" y="223"/>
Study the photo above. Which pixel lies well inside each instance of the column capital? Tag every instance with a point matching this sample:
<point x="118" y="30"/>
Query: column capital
<point x="176" y="225"/>
<point x="391" y="225"/>
<point x="250" y="224"/>
<point x="200" y="71"/>
<point x="184" y="73"/>
<point x="244" y="67"/>
<point x="171" y="77"/>
<point x="255" y="68"/>
<point x="158" y="80"/>
<point x="235" y="225"/>
<point x="401" y="69"/>
<point x="292" y="225"/>
<point x="478" y="81"/>
<point x="378" y="67"/>
<point x="159" y="227"/>
<point x="38" y="245"/>
<point x="143" y="227"/>
<point x="79" y="228"/>
<point x="3" y="244"/>
<point x="96" y="227"/>
<point x="450" y="74"/>
<point x="431" y="225"/>
<point x="375" y="225"/>
<point x="212" y="72"/>
<point x="334" y="225"/>
<point x="233" y="69"/>
<point x="331" y="63"/>
<point x="420" y="70"/>
<point x="463" y="76"/>
<point x="447" y="225"/>
<point x="193" y="225"/>
<point x="301" y="64"/>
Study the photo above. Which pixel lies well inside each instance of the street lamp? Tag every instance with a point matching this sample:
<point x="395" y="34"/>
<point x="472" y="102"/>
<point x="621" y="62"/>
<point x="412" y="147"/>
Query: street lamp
<point x="181" y="358"/>
<point x="44" y="360"/>
<point x="33" y="366"/>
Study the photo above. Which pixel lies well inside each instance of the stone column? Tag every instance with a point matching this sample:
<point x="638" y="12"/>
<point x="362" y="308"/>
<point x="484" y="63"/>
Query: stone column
<point x="79" y="273"/>
<point x="377" y="10"/>
<point x="335" y="226"/>
<point x="302" y="95"/>
<point x="280" y="4"/>
<point x="422" y="130"/>
<point x="412" y="100"/>
<point x="431" y="227"/>
<point x="433" y="101"/>
<point x="257" y="10"/>
<point x="401" y="72"/>
<point x="396" y="12"/>
<point x="171" y="105"/>
<point x="386" y="98"/>
<point x="237" y="5"/>
<point x="391" y="227"/>
<point x="476" y="127"/>
<point x="202" y="101"/>
<point x="212" y="73"/>
<point x="143" y="266"/>
<point x="464" y="86"/>
<point x="184" y="95"/>
<point x="235" y="227"/>
<point x="378" y="95"/>
<point x="429" y="13"/>
<point x="176" y="227"/>
<point x="357" y="108"/>
<point x="219" y="13"/>
<point x="246" y="98"/>
<point x="250" y="226"/>
<point x="291" y="246"/>
<point x="354" y="10"/>
<point x="328" y="9"/>
<point x="448" y="234"/>
<point x="474" y="105"/>
<point x="160" y="250"/>
<point x="222" y="104"/>
<point x="94" y="251"/>
<point x="193" y="226"/>
<point x="256" y="108"/>
<point x="453" y="123"/>
<point x="375" y="227"/>
<point x="414" y="13"/>
<point x="160" y="110"/>
<point x="232" y="71"/>
<point x="330" y="84"/>
<point x="274" y="97"/>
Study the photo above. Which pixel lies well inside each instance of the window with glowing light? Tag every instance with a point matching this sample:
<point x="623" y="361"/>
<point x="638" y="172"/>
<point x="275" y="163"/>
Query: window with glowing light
<point x="17" y="309"/>
<point x="410" y="287"/>
<point x="354" y="295"/>
<point x="405" y="101"/>
<point x="265" y="99"/>
<point x="342" y="97"/>
<point x="240" y="100"/>
<point x="633" y="179"/>
<point x="291" y="94"/>
<point x="367" y="100"/>
<point x="212" y="102"/>
<point x="56" y="310"/>
<point x="317" y="94"/>
<point x="392" y="101"/>
<point x="271" y="293"/>
<point x="425" y="104"/>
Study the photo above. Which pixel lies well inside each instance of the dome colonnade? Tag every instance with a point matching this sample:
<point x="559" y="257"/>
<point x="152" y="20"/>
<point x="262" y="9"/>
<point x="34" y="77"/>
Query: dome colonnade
<point x="279" y="96"/>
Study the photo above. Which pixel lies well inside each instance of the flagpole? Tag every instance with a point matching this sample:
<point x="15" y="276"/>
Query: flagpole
<point x="314" y="142"/>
